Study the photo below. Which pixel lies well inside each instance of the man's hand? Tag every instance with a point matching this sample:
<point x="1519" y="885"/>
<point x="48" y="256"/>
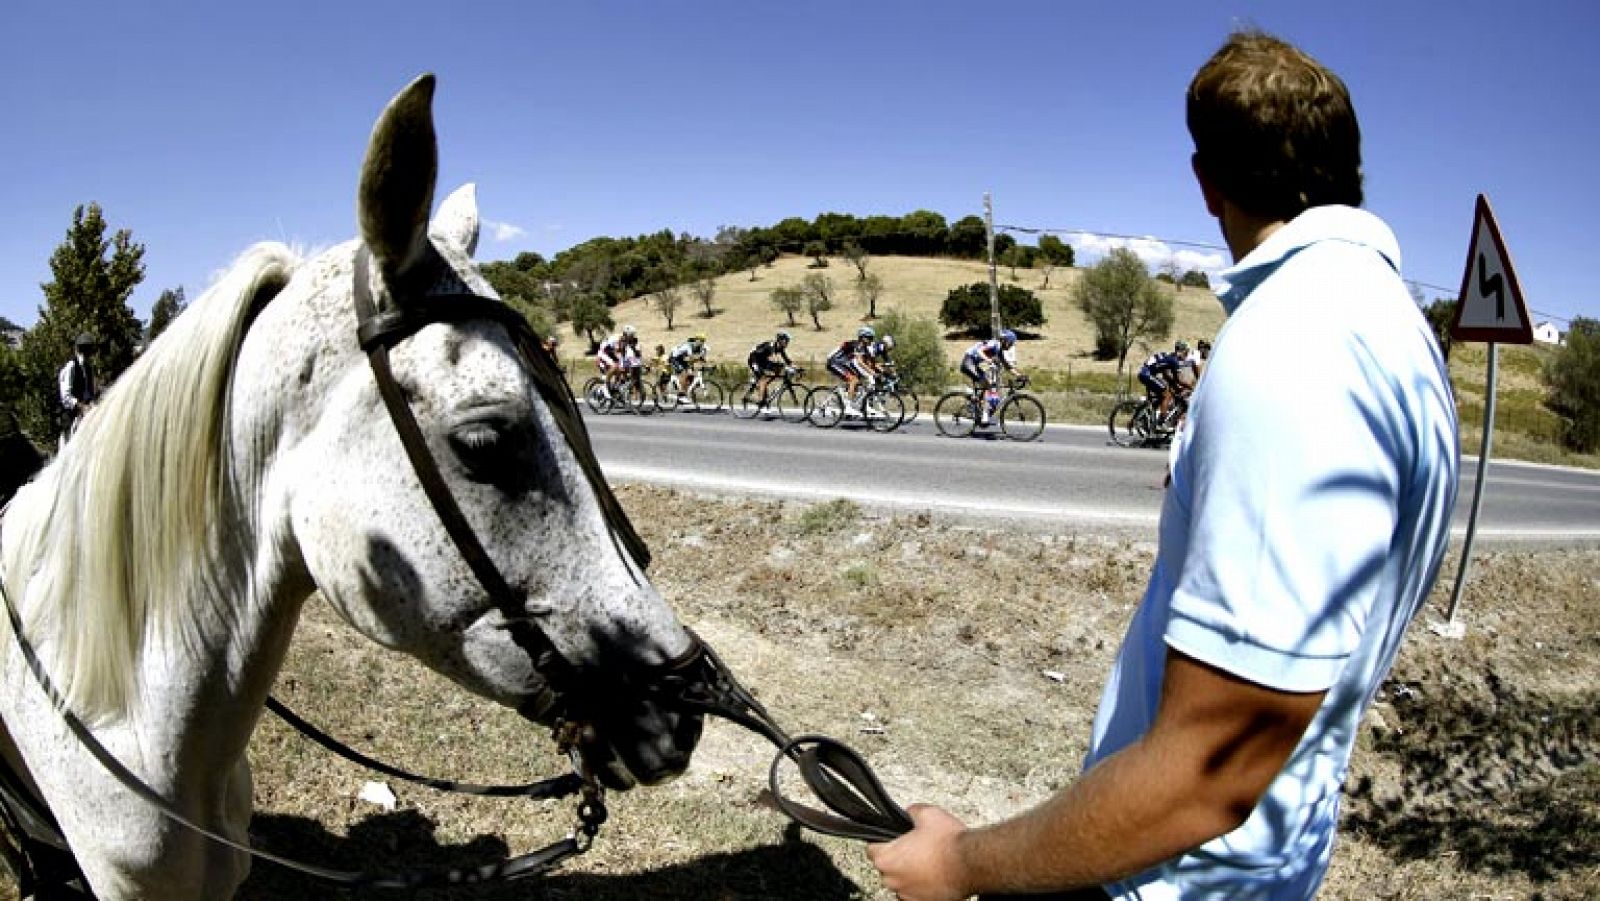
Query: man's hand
<point x="924" y="864"/>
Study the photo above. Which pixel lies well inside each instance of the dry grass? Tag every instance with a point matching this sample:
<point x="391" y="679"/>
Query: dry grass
<point x="923" y="642"/>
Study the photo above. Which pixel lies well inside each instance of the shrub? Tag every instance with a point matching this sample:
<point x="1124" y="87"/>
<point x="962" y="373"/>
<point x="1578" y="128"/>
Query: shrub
<point x="966" y="309"/>
<point x="918" y="351"/>
<point x="1574" y="378"/>
<point x="829" y="516"/>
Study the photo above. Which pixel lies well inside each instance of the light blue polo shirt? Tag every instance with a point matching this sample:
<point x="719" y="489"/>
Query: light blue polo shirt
<point x="1308" y="512"/>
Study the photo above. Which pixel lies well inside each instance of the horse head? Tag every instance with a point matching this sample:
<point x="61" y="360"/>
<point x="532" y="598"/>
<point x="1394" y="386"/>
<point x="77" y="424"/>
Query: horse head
<point x="343" y="500"/>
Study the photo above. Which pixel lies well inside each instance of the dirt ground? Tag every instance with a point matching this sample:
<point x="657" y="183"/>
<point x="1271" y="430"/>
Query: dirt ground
<point x="964" y="663"/>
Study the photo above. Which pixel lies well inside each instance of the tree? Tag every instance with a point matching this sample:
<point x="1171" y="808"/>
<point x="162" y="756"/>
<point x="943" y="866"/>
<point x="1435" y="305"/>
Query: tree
<point x="1196" y="278"/>
<point x="869" y="289"/>
<point x="1573" y="376"/>
<point x="1118" y="296"/>
<point x="1053" y="252"/>
<point x="818" y="252"/>
<point x="966" y="309"/>
<point x="1441" y="315"/>
<point x="918" y="350"/>
<point x="666" y="300"/>
<point x="968" y="238"/>
<point x="857" y="255"/>
<point x="167" y="307"/>
<point x="818" y="292"/>
<point x="1017" y="256"/>
<point x="789" y="299"/>
<point x="590" y="315"/>
<point x="704" y="287"/>
<point x="92" y="278"/>
<point x="1172" y="274"/>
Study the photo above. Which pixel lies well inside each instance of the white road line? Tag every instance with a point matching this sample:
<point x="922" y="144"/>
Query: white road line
<point x="984" y="507"/>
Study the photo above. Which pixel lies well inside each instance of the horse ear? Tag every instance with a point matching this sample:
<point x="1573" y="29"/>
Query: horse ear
<point x="457" y="219"/>
<point x="397" y="180"/>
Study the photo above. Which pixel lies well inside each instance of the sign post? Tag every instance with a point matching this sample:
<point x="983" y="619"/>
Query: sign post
<point x="1490" y="308"/>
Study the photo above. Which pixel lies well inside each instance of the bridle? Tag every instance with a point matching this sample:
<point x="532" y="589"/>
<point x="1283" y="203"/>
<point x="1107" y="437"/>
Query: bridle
<point x="696" y="682"/>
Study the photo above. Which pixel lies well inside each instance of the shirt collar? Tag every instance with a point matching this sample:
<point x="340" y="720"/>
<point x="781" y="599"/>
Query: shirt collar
<point x="1320" y="223"/>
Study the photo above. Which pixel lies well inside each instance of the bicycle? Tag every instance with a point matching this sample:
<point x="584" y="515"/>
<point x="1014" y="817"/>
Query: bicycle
<point x="783" y="395"/>
<point x="700" y="394"/>
<point x="882" y="409"/>
<point x="890" y="380"/>
<point x="1139" y="423"/>
<point x="1020" y="415"/>
<point x="628" y="393"/>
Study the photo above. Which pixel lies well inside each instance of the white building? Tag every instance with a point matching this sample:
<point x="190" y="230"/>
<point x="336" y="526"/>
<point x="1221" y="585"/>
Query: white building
<point x="1546" y="333"/>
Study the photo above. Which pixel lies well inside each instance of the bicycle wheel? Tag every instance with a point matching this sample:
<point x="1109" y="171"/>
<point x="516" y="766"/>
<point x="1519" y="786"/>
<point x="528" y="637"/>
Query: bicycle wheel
<point x="749" y="403"/>
<point x="884" y="410"/>
<point x="706" y="397"/>
<point x="1022" y="417"/>
<point x="595" y="396"/>
<point x="955" y="414"/>
<point x="1129" y="423"/>
<point x="913" y="406"/>
<point x="790" y="402"/>
<point x="825" y="407"/>
<point x="632" y="398"/>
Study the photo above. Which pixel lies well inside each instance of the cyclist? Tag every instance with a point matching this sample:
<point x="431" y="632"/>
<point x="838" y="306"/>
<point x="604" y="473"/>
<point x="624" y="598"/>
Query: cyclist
<point x="658" y="366"/>
<point x="982" y="363"/>
<point x="848" y="364"/>
<point x="618" y="356"/>
<point x="767" y="361"/>
<point x="550" y="344"/>
<point x="686" y="355"/>
<point x="1159" y="375"/>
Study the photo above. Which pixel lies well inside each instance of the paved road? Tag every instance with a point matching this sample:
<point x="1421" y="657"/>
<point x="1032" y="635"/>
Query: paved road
<point x="1069" y="477"/>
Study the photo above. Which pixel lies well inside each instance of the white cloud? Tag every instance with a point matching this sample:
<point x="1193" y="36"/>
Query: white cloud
<point x="501" y="232"/>
<point x="1154" y="252"/>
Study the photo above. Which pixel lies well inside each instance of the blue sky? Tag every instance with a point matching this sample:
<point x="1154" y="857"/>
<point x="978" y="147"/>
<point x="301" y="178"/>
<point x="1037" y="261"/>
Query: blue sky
<point x="205" y="127"/>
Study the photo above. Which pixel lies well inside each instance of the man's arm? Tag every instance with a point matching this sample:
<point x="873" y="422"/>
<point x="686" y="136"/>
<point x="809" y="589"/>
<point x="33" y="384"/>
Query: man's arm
<point x="1217" y="743"/>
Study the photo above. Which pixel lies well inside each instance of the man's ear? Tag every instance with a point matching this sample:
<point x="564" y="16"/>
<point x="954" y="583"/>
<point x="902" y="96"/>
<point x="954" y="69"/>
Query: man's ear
<point x="1208" y="188"/>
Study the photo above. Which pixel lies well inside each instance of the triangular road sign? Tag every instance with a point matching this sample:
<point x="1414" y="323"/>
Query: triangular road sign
<point x="1490" y="307"/>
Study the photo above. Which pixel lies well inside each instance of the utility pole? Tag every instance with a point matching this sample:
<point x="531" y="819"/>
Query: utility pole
<point x="994" y="281"/>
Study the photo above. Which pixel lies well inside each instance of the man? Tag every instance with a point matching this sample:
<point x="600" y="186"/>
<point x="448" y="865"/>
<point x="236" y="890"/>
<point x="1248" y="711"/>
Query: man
<point x="76" y="383"/>
<point x="981" y="365"/>
<point x="767" y="361"/>
<point x="1161" y="378"/>
<point x="1304" y="526"/>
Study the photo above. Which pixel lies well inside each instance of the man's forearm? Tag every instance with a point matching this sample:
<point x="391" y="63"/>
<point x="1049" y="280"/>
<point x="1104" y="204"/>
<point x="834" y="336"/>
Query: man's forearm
<point x="1131" y="812"/>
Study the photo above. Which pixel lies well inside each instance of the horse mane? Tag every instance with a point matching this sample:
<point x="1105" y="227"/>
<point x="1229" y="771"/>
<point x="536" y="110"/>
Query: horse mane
<point x="129" y="523"/>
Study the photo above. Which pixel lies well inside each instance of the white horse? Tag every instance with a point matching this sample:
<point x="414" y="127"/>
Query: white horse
<point x="160" y="563"/>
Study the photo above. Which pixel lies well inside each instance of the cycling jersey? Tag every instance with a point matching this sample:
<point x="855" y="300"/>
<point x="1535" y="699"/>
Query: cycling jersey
<point x="985" y="350"/>
<point x="685" y="353"/>
<point x="766" y="357"/>
<point x="1161" y="362"/>
<point x="846" y="361"/>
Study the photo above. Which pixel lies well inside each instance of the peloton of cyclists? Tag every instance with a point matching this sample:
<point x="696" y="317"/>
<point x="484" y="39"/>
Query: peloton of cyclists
<point x="618" y="357"/>
<point x="982" y="363"/>
<point x="766" y="361"/>
<point x="684" y="357"/>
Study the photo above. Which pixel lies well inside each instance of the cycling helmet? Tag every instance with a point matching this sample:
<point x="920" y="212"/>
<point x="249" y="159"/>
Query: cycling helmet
<point x="1008" y="336"/>
<point x="628" y="332"/>
<point x="783" y="337"/>
<point x="1181" y="347"/>
<point x="866" y="332"/>
<point x="699" y="338"/>
<point x="888" y="342"/>
<point x="1205" y="346"/>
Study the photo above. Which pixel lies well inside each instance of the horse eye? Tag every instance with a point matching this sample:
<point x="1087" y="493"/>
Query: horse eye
<point x="481" y="448"/>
